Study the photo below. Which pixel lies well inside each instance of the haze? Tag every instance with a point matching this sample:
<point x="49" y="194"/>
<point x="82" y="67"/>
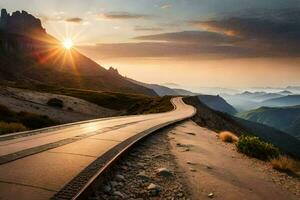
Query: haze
<point x="195" y="43"/>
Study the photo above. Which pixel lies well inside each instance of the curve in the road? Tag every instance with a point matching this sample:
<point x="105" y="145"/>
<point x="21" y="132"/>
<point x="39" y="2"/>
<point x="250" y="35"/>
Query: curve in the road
<point x="64" y="159"/>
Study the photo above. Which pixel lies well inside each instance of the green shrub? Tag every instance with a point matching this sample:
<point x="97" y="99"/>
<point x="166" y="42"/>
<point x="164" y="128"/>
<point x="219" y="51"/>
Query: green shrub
<point x="254" y="147"/>
<point x="11" y="127"/>
<point x="54" y="102"/>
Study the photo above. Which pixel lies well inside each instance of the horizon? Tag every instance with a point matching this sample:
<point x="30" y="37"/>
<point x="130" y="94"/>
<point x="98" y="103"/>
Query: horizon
<point x="212" y="45"/>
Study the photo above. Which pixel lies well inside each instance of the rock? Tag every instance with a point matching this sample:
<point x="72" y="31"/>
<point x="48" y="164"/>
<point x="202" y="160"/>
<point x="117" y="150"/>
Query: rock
<point x="208" y="167"/>
<point x="120" y="177"/>
<point x="193" y="169"/>
<point x="164" y="172"/>
<point x="189" y="133"/>
<point x="141" y="165"/>
<point x="180" y="194"/>
<point x="107" y="189"/>
<point x="113" y="183"/>
<point x="118" y="194"/>
<point x="185" y="150"/>
<point x="211" y="195"/>
<point x="190" y="163"/>
<point x="153" y="189"/>
<point x="142" y="175"/>
<point x="123" y="167"/>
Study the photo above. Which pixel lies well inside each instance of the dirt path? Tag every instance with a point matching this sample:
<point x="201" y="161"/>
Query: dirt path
<point x="212" y="167"/>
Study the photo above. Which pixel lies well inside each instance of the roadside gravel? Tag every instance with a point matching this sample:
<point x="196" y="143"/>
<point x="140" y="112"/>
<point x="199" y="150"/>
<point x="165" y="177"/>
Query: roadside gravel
<point x="148" y="171"/>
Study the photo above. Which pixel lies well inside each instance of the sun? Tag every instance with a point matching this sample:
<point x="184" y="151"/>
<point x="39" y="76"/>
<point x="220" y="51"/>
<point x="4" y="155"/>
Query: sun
<point x="68" y="44"/>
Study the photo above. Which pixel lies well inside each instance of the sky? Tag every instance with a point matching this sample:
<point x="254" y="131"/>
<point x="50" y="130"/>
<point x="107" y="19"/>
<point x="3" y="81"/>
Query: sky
<point x="193" y="43"/>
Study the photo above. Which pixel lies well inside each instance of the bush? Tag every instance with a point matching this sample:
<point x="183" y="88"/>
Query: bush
<point x="227" y="136"/>
<point x="34" y="121"/>
<point x="254" y="147"/>
<point x="54" y="102"/>
<point x="11" y="127"/>
<point x="284" y="163"/>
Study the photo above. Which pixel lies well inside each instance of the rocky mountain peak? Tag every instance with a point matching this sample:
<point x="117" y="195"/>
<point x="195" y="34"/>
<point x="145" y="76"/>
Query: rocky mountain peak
<point x="113" y="71"/>
<point x="20" y="22"/>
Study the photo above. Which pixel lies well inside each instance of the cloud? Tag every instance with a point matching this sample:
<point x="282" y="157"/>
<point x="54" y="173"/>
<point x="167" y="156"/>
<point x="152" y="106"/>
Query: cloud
<point x="144" y="28"/>
<point x="164" y="49"/>
<point x="270" y="32"/>
<point x="166" y="6"/>
<point x="263" y="34"/>
<point x="122" y="16"/>
<point x="74" y="20"/>
<point x="60" y="17"/>
<point x="193" y="37"/>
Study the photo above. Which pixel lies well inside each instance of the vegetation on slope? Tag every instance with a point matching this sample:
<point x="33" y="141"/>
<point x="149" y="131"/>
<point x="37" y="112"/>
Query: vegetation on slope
<point x="252" y="146"/>
<point x="130" y="104"/>
<point x="219" y="121"/>
<point x="20" y="121"/>
<point x="286" y="119"/>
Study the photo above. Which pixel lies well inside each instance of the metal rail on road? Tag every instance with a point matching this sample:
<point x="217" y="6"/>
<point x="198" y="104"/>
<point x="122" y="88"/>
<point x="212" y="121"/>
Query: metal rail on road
<point x="70" y="170"/>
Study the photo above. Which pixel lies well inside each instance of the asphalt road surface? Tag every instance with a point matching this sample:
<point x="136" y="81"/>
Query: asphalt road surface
<point x="38" y="165"/>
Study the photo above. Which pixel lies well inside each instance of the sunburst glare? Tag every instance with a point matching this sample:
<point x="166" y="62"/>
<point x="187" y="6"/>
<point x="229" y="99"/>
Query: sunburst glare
<point x="68" y="44"/>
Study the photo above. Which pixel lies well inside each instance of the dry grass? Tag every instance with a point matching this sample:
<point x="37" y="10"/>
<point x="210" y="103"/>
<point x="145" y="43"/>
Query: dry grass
<point x="11" y="127"/>
<point x="285" y="164"/>
<point x="229" y="137"/>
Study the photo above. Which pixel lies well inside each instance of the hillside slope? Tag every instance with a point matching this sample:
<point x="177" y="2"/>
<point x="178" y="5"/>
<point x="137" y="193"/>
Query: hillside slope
<point x="219" y="121"/>
<point x="33" y="56"/>
<point x="286" y="119"/>
<point x="217" y="103"/>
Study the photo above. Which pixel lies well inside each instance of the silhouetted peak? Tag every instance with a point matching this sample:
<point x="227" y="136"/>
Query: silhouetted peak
<point x="113" y="70"/>
<point x="20" y="22"/>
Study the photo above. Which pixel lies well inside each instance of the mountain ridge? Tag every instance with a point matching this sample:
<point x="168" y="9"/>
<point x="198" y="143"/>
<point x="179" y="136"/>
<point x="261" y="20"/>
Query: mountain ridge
<point x="35" y="57"/>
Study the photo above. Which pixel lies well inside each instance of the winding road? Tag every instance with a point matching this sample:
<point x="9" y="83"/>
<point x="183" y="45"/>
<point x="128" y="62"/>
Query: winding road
<point x="58" y="162"/>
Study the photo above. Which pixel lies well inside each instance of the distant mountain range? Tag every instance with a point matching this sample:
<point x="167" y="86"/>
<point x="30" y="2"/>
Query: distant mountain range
<point x="251" y="100"/>
<point x="29" y="56"/>
<point x="290" y="100"/>
<point x="286" y="119"/>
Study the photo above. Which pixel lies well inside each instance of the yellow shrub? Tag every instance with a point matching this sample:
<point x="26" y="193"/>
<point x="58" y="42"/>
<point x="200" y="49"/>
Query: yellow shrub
<point x="284" y="163"/>
<point x="227" y="136"/>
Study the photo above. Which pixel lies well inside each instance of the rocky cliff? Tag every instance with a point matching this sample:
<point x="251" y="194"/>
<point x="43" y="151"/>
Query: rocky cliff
<point x="20" y="23"/>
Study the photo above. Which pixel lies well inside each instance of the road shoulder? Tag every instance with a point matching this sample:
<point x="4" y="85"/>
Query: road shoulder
<point x="215" y="169"/>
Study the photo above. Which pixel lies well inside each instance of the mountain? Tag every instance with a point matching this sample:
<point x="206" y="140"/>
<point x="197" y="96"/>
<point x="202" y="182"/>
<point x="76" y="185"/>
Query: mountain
<point x="217" y="103"/>
<point x="251" y="100"/>
<point x="286" y="119"/>
<point x="219" y="121"/>
<point x="285" y="92"/>
<point x="290" y="100"/>
<point x="184" y="92"/>
<point x="29" y="56"/>
<point x="164" y="90"/>
<point x="258" y="96"/>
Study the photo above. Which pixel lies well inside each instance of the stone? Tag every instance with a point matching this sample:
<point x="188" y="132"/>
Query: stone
<point x="142" y="175"/>
<point x="107" y="189"/>
<point x="193" y="169"/>
<point x="211" y="195"/>
<point x="118" y="194"/>
<point x="113" y="183"/>
<point x="190" y="133"/>
<point x="153" y="189"/>
<point x="164" y="172"/>
<point x="120" y="177"/>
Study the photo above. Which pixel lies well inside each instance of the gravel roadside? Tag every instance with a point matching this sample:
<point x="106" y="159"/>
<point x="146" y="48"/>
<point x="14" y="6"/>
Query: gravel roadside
<point x="148" y="171"/>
